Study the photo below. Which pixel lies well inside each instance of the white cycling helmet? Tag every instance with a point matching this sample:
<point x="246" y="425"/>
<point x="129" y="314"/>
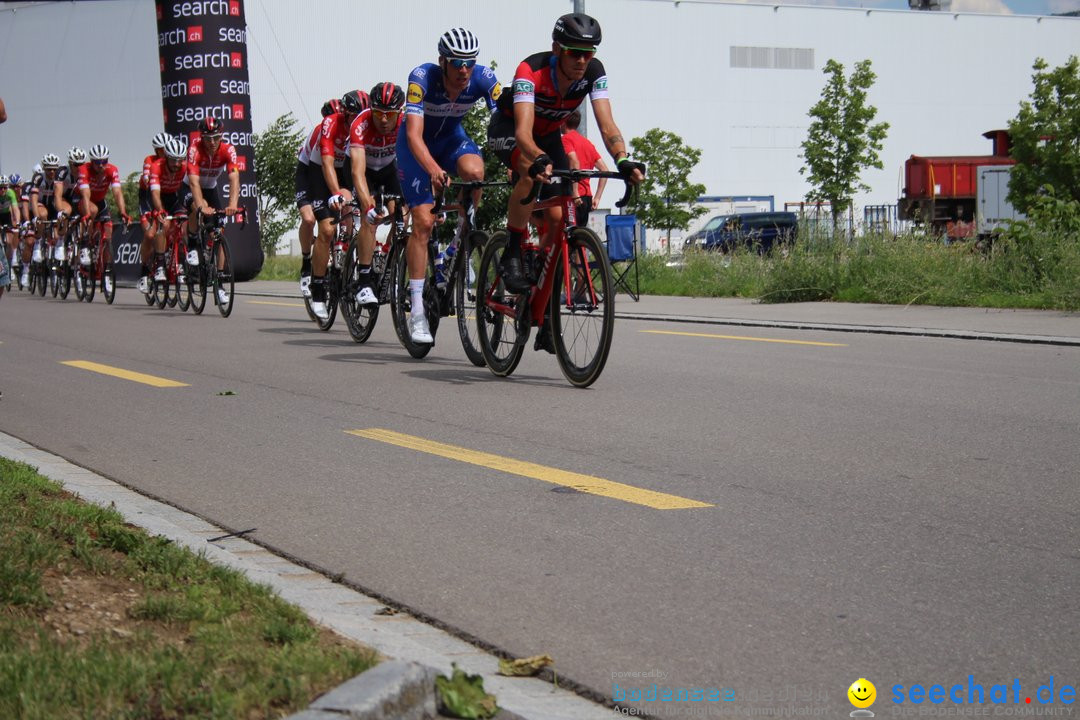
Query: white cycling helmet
<point x="458" y="43"/>
<point x="50" y="161"/>
<point x="76" y="155"/>
<point x="37" y="169"/>
<point x="161" y="140"/>
<point x="99" y="152"/>
<point x="175" y="149"/>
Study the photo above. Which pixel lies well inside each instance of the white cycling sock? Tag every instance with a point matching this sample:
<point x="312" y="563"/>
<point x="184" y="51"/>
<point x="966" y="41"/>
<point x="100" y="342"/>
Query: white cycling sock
<point x="416" y="294"/>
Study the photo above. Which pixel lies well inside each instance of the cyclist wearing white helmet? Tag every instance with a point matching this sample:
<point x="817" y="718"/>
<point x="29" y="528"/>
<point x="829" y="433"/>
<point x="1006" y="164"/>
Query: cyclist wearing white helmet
<point x="9" y="217"/>
<point x="45" y="204"/>
<point x="158" y="142"/>
<point x="96" y="179"/>
<point x="67" y="179"/>
<point x="434" y="145"/>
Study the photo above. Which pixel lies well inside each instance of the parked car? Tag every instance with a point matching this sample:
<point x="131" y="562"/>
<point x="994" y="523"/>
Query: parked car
<point x="759" y="231"/>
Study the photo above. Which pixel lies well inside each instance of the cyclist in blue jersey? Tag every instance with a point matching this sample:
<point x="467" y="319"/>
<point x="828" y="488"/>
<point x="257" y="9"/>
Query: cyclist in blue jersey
<point x="432" y="144"/>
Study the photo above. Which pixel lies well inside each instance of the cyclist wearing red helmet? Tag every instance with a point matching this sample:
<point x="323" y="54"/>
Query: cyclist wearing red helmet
<point x="372" y="154"/>
<point x="303" y="197"/>
<point x="208" y="157"/>
<point x="329" y="184"/>
<point x="548" y="86"/>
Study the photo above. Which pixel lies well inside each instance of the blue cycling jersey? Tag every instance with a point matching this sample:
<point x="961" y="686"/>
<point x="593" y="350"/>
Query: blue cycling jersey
<point x="427" y="97"/>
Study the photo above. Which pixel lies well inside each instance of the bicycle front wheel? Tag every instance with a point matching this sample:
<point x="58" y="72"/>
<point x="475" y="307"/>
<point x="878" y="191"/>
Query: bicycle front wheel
<point x="360" y="319"/>
<point x="223" y="278"/>
<point x="471" y="250"/>
<point x="64" y="273"/>
<point x="181" y="287"/>
<point x="583" y="309"/>
<point x="195" y="277"/>
<point x="108" y="277"/>
<point x="161" y="293"/>
<point x="401" y="301"/>
<point x="497" y="311"/>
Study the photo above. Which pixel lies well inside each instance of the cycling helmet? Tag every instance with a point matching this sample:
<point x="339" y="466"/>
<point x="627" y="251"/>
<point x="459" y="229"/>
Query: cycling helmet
<point x="175" y="149"/>
<point x="3" y="181"/>
<point x="76" y="155"/>
<point x="50" y="162"/>
<point x="576" y="29"/>
<point x="387" y="96"/>
<point x="211" y="126"/>
<point x="37" y="169"/>
<point x="160" y="140"/>
<point x="355" y="102"/>
<point x="15" y="178"/>
<point x="99" y="152"/>
<point x="458" y="43"/>
<point x="330" y="107"/>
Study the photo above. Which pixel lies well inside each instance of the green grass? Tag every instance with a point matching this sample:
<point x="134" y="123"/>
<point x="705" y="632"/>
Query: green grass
<point x="191" y="639"/>
<point x="280" y="267"/>
<point x="1032" y="270"/>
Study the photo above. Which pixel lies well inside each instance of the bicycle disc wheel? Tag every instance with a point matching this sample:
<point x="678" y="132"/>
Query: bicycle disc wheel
<point x="401" y="302"/>
<point x="472" y="250"/>
<point x="223" y="278"/>
<point x="195" y="277"/>
<point x="583" y="324"/>
<point x="497" y="311"/>
<point x="360" y="319"/>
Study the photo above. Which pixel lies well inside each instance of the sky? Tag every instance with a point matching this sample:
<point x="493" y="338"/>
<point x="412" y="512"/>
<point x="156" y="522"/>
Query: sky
<point x="1015" y="7"/>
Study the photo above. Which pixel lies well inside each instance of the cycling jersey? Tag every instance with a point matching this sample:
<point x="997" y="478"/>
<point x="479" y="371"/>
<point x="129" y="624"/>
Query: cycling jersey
<point x="535" y="81"/>
<point x="209" y="168"/>
<point x="29" y="185"/>
<point x="379" y="150"/>
<point x="164" y="180"/>
<point x="98" y="184"/>
<point x="428" y="98"/>
<point x="304" y="155"/>
<point x="333" y="137"/>
<point x="144" y="177"/>
<point x="8" y="200"/>
<point x="43" y="186"/>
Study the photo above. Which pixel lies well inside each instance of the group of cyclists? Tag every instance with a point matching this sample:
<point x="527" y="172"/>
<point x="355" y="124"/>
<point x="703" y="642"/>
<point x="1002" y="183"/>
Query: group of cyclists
<point x="410" y="143"/>
<point x="406" y="142"/>
<point x="177" y="179"/>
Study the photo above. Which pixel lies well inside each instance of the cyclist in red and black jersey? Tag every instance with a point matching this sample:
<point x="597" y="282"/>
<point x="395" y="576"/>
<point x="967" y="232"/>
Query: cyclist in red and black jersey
<point x="304" y="197"/>
<point x="524" y="130"/>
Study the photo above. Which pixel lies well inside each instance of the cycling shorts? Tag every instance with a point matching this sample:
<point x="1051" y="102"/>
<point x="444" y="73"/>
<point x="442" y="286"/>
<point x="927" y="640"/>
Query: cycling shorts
<point x="303" y="194"/>
<point x="318" y="191"/>
<point x="501" y="141"/>
<point x="415" y="180"/>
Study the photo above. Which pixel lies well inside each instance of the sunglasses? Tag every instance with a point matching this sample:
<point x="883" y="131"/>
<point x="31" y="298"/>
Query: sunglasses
<point x="99" y="162"/>
<point x="577" y="52"/>
<point x="462" y="63"/>
<point x="385" y="114"/>
<point x="212" y="138"/>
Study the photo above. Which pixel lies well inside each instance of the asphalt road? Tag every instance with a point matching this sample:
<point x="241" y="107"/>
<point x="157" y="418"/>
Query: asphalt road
<point x="842" y="505"/>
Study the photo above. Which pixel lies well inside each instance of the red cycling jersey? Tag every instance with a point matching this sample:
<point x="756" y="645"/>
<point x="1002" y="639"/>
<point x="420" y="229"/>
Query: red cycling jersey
<point x="145" y="176"/>
<point x="206" y="168"/>
<point x="332" y="140"/>
<point x="99" y="183"/>
<point x="535" y="82"/>
<point x="164" y="179"/>
<point x="306" y="147"/>
<point x="379" y="150"/>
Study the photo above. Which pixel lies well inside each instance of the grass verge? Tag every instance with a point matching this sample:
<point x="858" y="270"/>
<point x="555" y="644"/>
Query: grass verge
<point x="100" y="620"/>
<point x="280" y="267"/>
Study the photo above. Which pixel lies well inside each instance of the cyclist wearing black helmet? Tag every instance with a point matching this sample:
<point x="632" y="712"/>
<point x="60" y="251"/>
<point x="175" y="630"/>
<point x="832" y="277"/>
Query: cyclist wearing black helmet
<point x="304" y="196"/>
<point x="330" y="184"/>
<point x="373" y="153"/>
<point x="524" y="132"/>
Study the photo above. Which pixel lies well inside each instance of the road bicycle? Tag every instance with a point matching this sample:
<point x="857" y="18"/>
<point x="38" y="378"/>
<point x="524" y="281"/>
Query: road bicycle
<point x="572" y="292"/>
<point x="215" y="269"/>
<point x="41" y="260"/>
<point x="339" y="246"/>
<point x="175" y="290"/>
<point x="458" y="295"/>
<point x="361" y="319"/>
<point x="100" y="269"/>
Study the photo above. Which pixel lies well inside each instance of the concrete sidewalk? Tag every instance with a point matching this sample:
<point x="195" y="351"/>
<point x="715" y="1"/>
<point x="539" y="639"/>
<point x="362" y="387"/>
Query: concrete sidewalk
<point x="1032" y="326"/>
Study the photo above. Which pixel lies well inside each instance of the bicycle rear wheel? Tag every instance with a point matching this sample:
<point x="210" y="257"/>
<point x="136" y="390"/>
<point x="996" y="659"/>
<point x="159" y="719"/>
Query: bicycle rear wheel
<point x="89" y="282"/>
<point x="223" y="277"/>
<point x="401" y="302"/>
<point x="471" y="250"/>
<point x="360" y="319"/>
<point x="195" y="276"/>
<point x="333" y="293"/>
<point x="497" y="312"/>
<point x="583" y="321"/>
<point x="64" y="272"/>
<point x="181" y="287"/>
<point x="54" y="279"/>
<point x="108" y="277"/>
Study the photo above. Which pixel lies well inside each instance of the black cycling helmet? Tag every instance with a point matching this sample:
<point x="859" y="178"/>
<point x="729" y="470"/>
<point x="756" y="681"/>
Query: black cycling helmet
<point x="387" y="96"/>
<point x="355" y="102"/>
<point x="576" y="29"/>
<point x="331" y="107"/>
<point x="211" y="126"/>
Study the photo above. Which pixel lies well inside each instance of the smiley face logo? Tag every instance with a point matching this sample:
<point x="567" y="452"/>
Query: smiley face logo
<point x="862" y="693"/>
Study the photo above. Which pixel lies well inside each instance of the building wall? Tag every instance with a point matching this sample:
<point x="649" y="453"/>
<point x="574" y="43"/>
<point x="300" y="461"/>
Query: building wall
<point x="943" y="78"/>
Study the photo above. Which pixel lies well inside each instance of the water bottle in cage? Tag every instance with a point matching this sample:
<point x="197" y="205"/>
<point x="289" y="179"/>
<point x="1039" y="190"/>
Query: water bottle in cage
<point x="440" y="270"/>
<point x="378" y="262"/>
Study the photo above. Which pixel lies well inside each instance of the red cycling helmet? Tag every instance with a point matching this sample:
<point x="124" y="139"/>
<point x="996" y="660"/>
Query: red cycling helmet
<point x="331" y="107"/>
<point x="211" y="126"/>
<point x="387" y="96"/>
<point x="355" y="102"/>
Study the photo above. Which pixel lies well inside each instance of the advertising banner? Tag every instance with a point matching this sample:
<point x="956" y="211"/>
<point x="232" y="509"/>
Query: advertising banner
<point x="204" y="73"/>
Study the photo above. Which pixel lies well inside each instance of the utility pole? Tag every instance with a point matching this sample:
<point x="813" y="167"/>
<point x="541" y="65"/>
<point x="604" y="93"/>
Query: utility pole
<point x="579" y="7"/>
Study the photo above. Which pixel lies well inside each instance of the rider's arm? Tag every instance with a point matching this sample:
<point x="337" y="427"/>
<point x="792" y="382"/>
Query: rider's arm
<point x="119" y="196"/>
<point x="358" y="158"/>
<point x="524" y="114"/>
<point x="197" y="201"/>
<point x="234" y="189"/>
<point x="330" y="174"/>
<point x="14" y="208"/>
<point x="155" y="199"/>
<point x="612" y="136"/>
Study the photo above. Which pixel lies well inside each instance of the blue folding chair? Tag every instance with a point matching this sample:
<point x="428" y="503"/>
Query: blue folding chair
<point x="622" y="248"/>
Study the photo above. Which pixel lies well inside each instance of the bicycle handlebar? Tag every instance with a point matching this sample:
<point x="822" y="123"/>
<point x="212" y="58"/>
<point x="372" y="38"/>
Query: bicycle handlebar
<point x="576" y="175"/>
<point x="216" y="218"/>
<point x="465" y="185"/>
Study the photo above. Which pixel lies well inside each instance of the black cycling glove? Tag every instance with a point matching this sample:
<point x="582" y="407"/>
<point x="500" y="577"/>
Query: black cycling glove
<point x="627" y="167"/>
<point x="539" y="165"/>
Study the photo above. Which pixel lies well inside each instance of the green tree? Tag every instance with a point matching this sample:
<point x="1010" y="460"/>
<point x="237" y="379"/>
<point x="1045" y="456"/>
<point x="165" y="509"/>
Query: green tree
<point x="130" y="190"/>
<point x="1046" y="137"/>
<point x="666" y="200"/>
<point x="491" y="214"/>
<point x="275" y="173"/>
<point x="842" y="140"/>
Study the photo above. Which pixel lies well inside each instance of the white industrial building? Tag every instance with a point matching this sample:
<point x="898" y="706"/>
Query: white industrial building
<point x="733" y="79"/>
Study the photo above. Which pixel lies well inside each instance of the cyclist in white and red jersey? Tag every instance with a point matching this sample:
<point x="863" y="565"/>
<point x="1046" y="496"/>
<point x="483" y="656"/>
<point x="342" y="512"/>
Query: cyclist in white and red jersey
<point x="548" y="86"/>
<point x="303" y="197"/>
<point x="145" y="208"/>
<point x="169" y="195"/>
<point x="96" y="179"/>
<point x="372" y="154"/>
<point x="329" y="183"/>
<point x="209" y="158"/>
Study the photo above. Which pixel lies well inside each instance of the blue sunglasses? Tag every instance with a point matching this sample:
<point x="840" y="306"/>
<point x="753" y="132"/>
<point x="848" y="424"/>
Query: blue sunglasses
<point x="460" y="63"/>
